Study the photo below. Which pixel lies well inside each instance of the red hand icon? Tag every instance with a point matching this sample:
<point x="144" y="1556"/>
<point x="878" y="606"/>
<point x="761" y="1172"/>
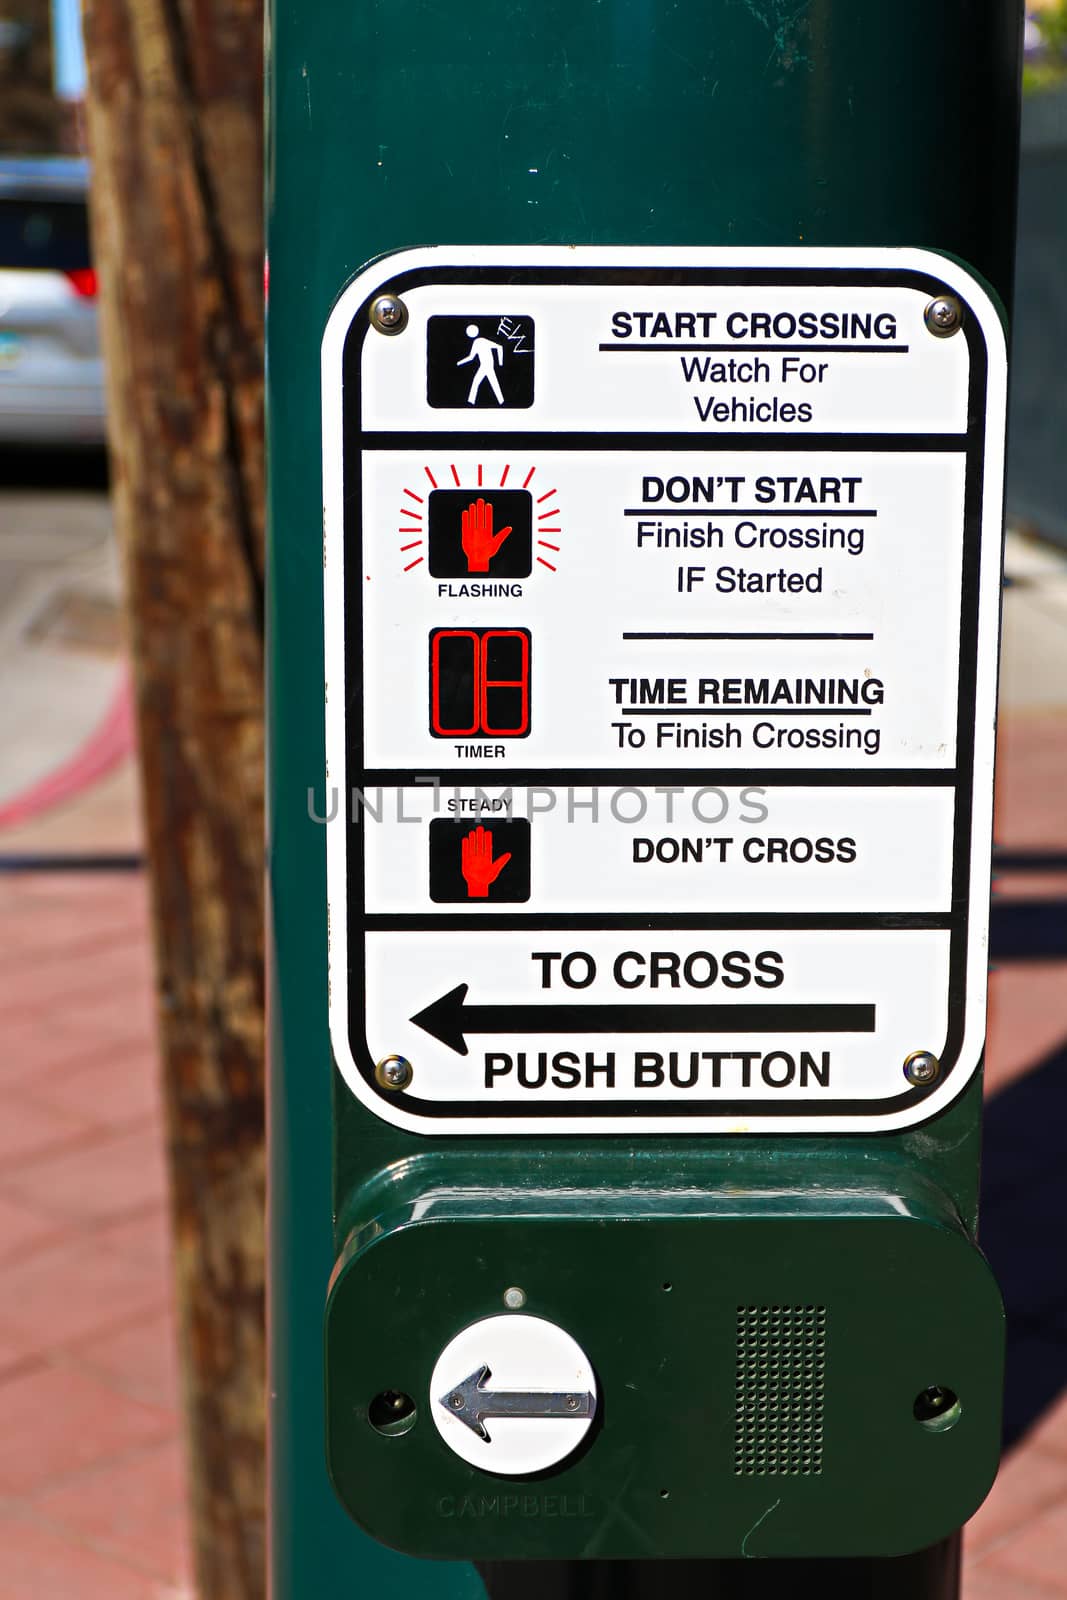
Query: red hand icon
<point x="477" y="864"/>
<point x="480" y="543"/>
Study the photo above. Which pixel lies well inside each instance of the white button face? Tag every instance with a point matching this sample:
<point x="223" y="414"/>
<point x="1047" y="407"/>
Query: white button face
<point x="513" y="1395"/>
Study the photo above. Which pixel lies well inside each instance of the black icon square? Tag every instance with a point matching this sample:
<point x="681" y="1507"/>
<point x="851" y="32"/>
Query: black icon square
<point x="480" y="531"/>
<point x="480" y="683"/>
<point x="485" y="363"/>
<point x="476" y="862"/>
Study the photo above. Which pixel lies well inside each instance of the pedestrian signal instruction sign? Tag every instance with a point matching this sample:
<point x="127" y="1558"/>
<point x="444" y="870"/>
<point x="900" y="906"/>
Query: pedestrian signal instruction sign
<point x="661" y="596"/>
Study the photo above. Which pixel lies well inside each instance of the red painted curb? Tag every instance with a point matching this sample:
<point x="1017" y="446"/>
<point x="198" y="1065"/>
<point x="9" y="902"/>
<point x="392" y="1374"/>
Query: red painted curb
<point x="110" y="742"/>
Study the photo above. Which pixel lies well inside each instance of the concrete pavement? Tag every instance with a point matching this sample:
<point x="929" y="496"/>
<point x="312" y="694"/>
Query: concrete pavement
<point x="62" y="668"/>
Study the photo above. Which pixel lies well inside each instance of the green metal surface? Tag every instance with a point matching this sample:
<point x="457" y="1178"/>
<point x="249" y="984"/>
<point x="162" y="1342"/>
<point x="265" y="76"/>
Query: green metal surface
<point x="749" y="122"/>
<point x="786" y="1447"/>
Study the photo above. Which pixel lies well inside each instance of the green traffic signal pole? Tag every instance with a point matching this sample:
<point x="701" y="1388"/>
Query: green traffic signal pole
<point x="398" y="123"/>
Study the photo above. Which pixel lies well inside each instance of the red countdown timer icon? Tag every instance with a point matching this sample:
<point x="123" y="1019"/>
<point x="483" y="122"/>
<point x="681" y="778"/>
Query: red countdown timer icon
<point x="479" y="683"/>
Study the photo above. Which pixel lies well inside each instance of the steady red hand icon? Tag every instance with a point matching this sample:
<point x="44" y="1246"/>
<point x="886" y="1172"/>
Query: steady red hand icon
<point x="477" y="864"/>
<point x="480" y="543"/>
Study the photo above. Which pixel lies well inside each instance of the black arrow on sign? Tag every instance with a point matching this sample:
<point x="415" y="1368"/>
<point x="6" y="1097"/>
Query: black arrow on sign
<point x="472" y="1402"/>
<point x="450" y="1019"/>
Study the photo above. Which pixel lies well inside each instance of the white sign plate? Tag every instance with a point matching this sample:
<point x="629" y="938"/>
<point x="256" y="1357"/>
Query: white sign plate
<point x="662" y="596"/>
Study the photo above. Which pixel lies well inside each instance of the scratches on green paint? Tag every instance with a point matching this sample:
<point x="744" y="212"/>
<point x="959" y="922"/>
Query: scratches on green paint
<point x="787" y="23"/>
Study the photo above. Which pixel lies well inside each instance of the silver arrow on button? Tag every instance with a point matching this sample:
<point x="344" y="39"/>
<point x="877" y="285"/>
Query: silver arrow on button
<point x="472" y="1403"/>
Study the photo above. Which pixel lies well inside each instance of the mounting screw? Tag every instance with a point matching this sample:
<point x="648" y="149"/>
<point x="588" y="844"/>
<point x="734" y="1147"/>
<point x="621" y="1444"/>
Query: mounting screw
<point x="571" y="1402"/>
<point x="514" y="1298"/>
<point x="394" y="1072"/>
<point x="922" y="1069"/>
<point x="389" y="314"/>
<point x="456" y="1401"/>
<point x="944" y="316"/>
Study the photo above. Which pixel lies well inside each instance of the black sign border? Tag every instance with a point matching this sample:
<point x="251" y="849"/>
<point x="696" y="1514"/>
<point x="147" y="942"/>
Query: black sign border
<point x="960" y="778"/>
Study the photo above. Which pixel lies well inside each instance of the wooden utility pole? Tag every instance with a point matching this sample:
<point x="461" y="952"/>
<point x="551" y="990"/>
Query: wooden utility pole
<point x="175" y="141"/>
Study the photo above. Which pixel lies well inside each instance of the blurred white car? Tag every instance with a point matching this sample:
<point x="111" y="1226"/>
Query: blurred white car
<point x="51" y="372"/>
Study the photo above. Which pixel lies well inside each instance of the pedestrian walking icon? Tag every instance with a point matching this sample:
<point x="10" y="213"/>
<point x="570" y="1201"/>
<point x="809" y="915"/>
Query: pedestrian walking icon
<point x="488" y="355"/>
<point x="485" y="362"/>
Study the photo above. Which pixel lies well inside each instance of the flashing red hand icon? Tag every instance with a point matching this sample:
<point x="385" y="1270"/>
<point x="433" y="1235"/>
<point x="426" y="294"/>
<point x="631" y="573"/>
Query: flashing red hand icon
<point x="480" y="543"/>
<point x="477" y="864"/>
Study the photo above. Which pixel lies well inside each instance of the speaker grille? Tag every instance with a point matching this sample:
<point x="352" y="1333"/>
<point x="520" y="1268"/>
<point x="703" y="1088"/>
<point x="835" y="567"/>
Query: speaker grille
<point x="781" y="1368"/>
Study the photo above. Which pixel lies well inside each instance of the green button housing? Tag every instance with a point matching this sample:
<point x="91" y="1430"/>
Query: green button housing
<point x="760" y="1346"/>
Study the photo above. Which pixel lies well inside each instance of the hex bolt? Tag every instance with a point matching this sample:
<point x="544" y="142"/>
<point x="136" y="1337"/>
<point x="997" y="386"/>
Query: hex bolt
<point x="394" y="1073"/>
<point x="388" y="314"/>
<point x="944" y="316"/>
<point x="922" y="1068"/>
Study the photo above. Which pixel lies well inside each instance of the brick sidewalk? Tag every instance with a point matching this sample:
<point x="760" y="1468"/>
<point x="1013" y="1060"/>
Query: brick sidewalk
<point x="1016" y="1547"/>
<point x="92" y="1499"/>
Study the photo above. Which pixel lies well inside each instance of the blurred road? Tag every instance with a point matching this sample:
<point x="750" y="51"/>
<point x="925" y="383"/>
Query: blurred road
<point x="62" y="660"/>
